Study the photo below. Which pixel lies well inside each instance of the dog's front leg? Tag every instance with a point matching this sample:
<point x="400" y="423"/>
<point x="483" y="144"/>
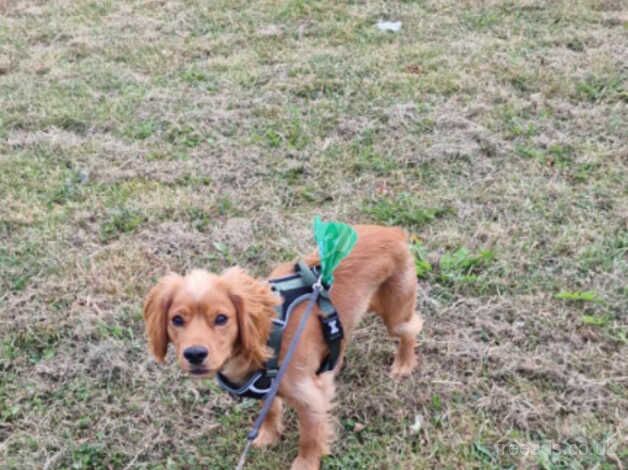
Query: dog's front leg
<point x="313" y="438"/>
<point x="272" y="427"/>
<point x="312" y="404"/>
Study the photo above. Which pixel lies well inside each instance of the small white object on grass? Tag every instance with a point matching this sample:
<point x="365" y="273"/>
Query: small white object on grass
<point x="393" y="26"/>
<point x="416" y="426"/>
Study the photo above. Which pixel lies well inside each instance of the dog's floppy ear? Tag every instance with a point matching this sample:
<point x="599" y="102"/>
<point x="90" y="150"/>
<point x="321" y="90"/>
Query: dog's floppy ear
<point x="156" y="307"/>
<point x="254" y="303"/>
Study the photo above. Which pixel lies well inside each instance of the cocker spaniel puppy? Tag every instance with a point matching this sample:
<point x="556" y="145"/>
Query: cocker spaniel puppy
<point x="221" y="323"/>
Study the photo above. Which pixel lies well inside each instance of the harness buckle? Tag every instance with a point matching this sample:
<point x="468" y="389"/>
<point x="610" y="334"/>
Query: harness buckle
<point x="332" y="327"/>
<point x="318" y="285"/>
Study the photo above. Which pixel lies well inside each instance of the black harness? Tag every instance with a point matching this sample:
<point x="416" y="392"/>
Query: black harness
<point x="294" y="290"/>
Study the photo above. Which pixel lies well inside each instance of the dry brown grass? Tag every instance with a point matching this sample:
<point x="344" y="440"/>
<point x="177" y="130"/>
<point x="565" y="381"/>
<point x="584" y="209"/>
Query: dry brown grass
<point x="145" y="136"/>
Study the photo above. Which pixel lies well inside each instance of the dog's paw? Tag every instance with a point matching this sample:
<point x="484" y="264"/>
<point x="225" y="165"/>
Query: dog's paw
<point x="266" y="438"/>
<point x="401" y="369"/>
<point x="304" y="464"/>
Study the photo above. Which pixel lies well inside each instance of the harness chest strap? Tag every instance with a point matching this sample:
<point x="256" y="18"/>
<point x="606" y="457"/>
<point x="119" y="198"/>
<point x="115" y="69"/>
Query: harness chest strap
<point x="332" y="331"/>
<point x="294" y="289"/>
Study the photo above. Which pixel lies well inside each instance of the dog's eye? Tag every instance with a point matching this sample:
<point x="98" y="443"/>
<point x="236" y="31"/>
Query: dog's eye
<point x="220" y="319"/>
<point x="177" y="320"/>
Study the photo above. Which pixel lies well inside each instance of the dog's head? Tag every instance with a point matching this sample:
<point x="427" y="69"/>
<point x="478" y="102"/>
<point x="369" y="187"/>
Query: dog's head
<point x="210" y="319"/>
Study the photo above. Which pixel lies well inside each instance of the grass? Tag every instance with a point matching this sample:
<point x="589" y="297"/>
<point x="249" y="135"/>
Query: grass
<point x="401" y="210"/>
<point x="140" y="137"/>
<point x="588" y="296"/>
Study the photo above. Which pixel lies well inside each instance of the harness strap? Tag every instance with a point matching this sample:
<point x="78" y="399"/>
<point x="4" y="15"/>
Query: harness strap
<point x="272" y="364"/>
<point x="330" y="322"/>
<point x="282" y="370"/>
<point x="256" y="386"/>
<point x="306" y="273"/>
<point x="332" y="332"/>
<point x="295" y="289"/>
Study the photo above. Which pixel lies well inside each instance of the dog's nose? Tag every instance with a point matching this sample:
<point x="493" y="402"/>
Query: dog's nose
<point x="195" y="354"/>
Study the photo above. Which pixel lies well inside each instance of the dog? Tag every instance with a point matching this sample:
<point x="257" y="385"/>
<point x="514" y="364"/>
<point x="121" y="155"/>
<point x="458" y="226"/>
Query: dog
<point x="221" y="323"/>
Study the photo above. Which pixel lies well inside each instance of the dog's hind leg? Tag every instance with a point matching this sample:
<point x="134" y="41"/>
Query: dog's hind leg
<point x="395" y="302"/>
<point x="272" y="427"/>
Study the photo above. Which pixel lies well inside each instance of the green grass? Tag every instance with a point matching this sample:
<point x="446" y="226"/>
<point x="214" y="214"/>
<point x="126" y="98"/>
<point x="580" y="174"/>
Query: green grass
<point x="402" y="210"/>
<point x="119" y="221"/>
<point x="588" y="296"/>
<point x="421" y="262"/>
<point x="461" y="263"/>
<point x="596" y="88"/>
<point x="138" y="138"/>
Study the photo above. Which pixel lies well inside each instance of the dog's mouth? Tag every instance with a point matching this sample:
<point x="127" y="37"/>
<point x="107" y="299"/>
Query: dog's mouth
<point x="200" y="372"/>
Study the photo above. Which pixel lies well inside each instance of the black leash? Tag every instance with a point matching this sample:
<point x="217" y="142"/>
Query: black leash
<point x="268" y="401"/>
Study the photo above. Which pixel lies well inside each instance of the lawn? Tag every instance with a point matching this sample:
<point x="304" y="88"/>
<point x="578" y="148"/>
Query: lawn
<point x="142" y="136"/>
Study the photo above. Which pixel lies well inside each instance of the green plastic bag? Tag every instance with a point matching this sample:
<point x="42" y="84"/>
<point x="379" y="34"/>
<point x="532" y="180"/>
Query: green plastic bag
<point x="335" y="241"/>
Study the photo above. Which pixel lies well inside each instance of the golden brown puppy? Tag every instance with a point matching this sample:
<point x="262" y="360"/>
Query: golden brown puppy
<point x="222" y="323"/>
